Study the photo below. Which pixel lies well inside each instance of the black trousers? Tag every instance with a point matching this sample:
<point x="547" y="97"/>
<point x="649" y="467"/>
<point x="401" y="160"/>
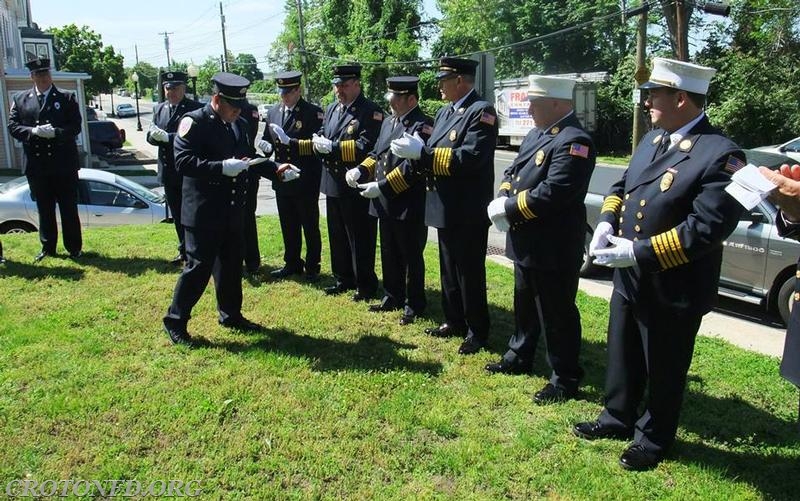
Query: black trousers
<point x="649" y="347"/>
<point x="352" y="234"/>
<point x="462" y="266"/>
<point x="209" y="251"/>
<point x="402" y="263"/>
<point x="173" y="193"/>
<point x="252" y="254"/>
<point x="299" y="215"/>
<point x="544" y="303"/>
<point x="51" y="188"/>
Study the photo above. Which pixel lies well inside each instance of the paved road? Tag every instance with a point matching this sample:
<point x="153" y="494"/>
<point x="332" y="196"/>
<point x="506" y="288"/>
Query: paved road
<point x="745" y="325"/>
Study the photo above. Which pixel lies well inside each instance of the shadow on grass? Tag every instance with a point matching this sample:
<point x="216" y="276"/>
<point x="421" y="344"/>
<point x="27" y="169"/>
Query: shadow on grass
<point x="368" y="353"/>
<point x="37" y="271"/>
<point x="132" y="266"/>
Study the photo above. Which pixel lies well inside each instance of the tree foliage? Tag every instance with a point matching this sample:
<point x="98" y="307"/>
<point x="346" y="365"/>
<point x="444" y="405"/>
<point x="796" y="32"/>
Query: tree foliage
<point x="81" y="50"/>
<point x="246" y="66"/>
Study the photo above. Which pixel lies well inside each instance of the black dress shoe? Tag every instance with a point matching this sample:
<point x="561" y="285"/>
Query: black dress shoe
<point x="551" y="394"/>
<point x="445" y="330"/>
<point x="284" y="272"/>
<point x="41" y="256"/>
<point x="312" y="276"/>
<point x="407" y="319"/>
<point x="75" y="255"/>
<point x="178" y="260"/>
<point x="637" y="458"/>
<point x="241" y="324"/>
<point x="363" y="296"/>
<point x="337" y="289"/>
<point x="471" y="346"/>
<point x="384" y="306"/>
<point x="592" y="430"/>
<point x="504" y="366"/>
<point x="178" y="335"/>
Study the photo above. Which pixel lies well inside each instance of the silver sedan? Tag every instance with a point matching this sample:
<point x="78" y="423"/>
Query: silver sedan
<point x="104" y="199"/>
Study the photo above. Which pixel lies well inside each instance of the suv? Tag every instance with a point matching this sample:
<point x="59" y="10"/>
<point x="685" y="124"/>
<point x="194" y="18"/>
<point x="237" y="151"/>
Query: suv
<point x="758" y="266"/>
<point x="104" y="136"/>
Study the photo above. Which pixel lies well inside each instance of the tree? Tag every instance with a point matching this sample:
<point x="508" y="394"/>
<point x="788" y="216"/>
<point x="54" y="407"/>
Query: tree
<point x="81" y="50"/>
<point x="246" y="66"/>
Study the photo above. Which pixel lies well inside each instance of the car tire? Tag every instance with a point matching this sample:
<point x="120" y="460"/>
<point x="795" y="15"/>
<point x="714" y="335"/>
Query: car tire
<point x="588" y="267"/>
<point x="16" y="227"/>
<point x="786" y="299"/>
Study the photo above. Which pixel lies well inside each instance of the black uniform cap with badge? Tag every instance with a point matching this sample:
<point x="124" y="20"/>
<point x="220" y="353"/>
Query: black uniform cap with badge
<point x="232" y="88"/>
<point x="345" y="72"/>
<point x="38" y="64"/>
<point x="454" y="66"/>
<point x="401" y="85"/>
<point x="288" y="81"/>
<point x="172" y="79"/>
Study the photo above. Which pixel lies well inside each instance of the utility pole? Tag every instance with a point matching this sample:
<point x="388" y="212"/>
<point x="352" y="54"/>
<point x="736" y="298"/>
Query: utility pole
<point x="136" y="51"/>
<point x="641" y="76"/>
<point x="301" y="29"/>
<point x="224" y="42"/>
<point x="680" y="27"/>
<point x="166" y="46"/>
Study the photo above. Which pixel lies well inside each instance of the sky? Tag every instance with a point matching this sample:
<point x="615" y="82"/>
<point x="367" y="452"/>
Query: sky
<point x="194" y="26"/>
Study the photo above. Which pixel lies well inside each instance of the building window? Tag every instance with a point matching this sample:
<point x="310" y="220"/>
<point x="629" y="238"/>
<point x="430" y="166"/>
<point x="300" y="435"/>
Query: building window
<point x="36" y="50"/>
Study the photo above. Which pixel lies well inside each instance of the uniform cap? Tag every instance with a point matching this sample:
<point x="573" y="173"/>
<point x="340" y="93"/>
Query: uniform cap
<point x="402" y="85"/>
<point x="233" y="88"/>
<point x="287" y="80"/>
<point x="170" y="79"/>
<point x="552" y="87"/>
<point x="452" y="66"/>
<point x="679" y="75"/>
<point x="344" y="72"/>
<point x="38" y="64"/>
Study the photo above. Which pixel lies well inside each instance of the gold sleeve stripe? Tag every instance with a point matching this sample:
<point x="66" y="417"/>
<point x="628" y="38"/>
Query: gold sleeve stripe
<point x="396" y="181"/>
<point x="348" y="150"/>
<point x="441" y="161"/>
<point x="522" y="205"/>
<point x="668" y="249"/>
<point x="505" y="186"/>
<point x="611" y="203"/>
<point x="369" y="164"/>
<point x="305" y="147"/>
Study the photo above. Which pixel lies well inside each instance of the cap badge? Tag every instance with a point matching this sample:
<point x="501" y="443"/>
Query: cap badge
<point x="280" y="81"/>
<point x="666" y="181"/>
<point x="169" y="75"/>
<point x="243" y="91"/>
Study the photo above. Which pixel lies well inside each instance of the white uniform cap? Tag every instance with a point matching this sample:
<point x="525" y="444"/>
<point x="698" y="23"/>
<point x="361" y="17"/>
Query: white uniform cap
<point x="552" y="87"/>
<point x="679" y="75"/>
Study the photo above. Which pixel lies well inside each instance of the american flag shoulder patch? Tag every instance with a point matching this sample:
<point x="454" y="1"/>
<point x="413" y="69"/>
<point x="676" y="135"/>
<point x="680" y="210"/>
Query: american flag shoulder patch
<point x="733" y="164"/>
<point x="579" y="150"/>
<point x="377" y="116"/>
<point x="488" y="118"/>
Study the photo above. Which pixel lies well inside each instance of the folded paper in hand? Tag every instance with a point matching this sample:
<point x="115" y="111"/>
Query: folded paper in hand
<point x="749" y="187"/>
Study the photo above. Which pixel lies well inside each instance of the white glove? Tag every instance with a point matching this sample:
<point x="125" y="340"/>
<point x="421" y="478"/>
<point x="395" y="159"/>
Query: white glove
<point x="290" y="174"/>
<point x="322" y="144"/>
<point x="46" y="131"/>
<point x="408" y="146"/>
<point x="231" y="167"/>
<point x="265" y="146"/>
<point x="370" y="190"/>
<point x="496" y="208"/>
<point x="501" y="223"/>
<point x="158" y="134"/>
<point x="599" y="240"/>
<point x="277" y="130"/>
<point x="619" y="256"/>
<point x="352" y="176"/>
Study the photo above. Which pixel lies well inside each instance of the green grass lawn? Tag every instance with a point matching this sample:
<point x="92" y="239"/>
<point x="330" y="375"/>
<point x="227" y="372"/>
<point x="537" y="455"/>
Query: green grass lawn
<point x="332" y="401"/>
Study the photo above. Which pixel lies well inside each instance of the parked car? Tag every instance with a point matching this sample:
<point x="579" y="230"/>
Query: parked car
<point x="758" y="266"/>
<point x="263" y="109"/>
<point x="91" y="114"/>
<point x="105" y="136"/>
<point x="104" y="199"/>
<point x="790" y="148"/>
<point x="125" y="110"/>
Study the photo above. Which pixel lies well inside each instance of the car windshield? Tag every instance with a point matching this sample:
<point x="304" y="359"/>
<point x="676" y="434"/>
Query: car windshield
<point x="140" y="190"/>
<point x="771" y="160"/>
<point x="793" y="145"/>
<point x="13" y="184"/>
<point x="124" y="106"/>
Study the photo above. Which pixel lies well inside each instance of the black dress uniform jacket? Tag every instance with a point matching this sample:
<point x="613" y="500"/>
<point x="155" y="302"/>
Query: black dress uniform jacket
<point x="790" y="363"/>
<point x="675" y="209"/>
<point x="353" y="134"/>
<point x="168" y="120"/>
<point x="302" y="122"/>
<point x="62" y="112"/>
<point x="458" y="160"/>
<point x="546" y="186"/>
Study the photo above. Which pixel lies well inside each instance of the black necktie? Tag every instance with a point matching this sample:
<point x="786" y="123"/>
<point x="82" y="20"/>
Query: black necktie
<point x="231" y="131"/>
<point x="663" y="146"/>
<point x="449" y="112"/>
<point x="41" y="100"/>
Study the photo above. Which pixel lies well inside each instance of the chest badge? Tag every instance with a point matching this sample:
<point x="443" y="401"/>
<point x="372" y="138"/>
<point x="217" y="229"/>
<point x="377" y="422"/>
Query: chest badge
<point x="350" y="129"/>
<point x="666" y="181"/>
<point x="539" y="157"/>
<point x="453" y="135"/>
<point x="298" y="124"/>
